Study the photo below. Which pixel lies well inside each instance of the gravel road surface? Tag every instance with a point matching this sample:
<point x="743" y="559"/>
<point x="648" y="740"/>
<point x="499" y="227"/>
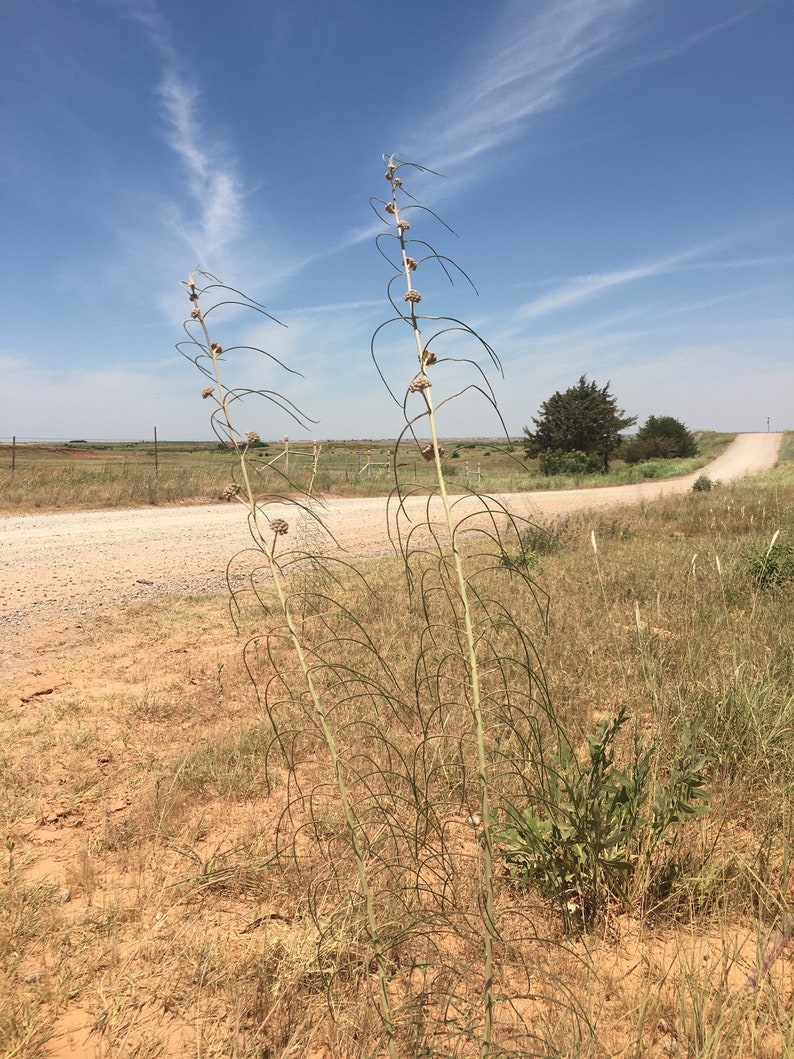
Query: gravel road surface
<point x="83" y="561"/>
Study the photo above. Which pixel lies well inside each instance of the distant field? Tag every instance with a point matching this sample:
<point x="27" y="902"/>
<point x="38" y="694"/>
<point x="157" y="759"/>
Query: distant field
<point x="93" y="475"/>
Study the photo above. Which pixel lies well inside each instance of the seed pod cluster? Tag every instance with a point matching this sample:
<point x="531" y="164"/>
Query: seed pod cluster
<point x="429" y="453"/>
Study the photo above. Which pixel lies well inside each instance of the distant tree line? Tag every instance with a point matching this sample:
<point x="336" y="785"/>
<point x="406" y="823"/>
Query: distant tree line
<point x="579" y="430"/>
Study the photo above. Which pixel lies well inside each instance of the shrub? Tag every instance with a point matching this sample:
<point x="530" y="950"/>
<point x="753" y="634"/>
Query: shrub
<point x="554" y="462"/>
<point x="660" y="438"/>
<point x="597" y="823"/>
<point x="775" y="566"/>
<point x="653" y="469"/>
<point x="702" y="484"/>
<point x="585" y="418"/>
<point x="546" y="538"/>
<point x="519" y="558"/>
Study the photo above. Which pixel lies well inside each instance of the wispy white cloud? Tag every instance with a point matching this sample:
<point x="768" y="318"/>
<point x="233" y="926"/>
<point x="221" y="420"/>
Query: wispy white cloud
<point x="769" y="261"/>
<point x="683" y="42"/>
<point x="211" y="181"/>
<point x="334" y="307"/>
<point x="527" y="67"/>
<point x="542" y="56"/>
<point x="739" y="395"/>
<point x="730" y="298"/>
<point x="581" y="288"/>
<point x="530" y="66"/>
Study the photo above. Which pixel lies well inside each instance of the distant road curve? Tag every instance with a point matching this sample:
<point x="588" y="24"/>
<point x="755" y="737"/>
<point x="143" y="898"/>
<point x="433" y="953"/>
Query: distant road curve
<point x="83" y="561"/>
<point x="749" y="454"/>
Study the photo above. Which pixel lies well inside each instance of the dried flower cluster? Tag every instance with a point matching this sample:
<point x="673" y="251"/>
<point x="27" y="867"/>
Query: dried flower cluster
<point x="412" y="296"/>
<point x="231" y="491"/>
<point x="421" y="382"/>
<point x="208" y="391"/>
<point x="428" y="358"/>
<point x="279" y="526"/>
<point x="252" y="437"/>
<point x="403" y="226"/>
<point x="411" y="264"/>
<point x="429" y="453"/>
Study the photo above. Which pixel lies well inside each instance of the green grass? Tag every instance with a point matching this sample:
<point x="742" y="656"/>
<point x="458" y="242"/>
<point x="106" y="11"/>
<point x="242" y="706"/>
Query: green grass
<point x="92" y="476"/>
<point x="787" y="448"/>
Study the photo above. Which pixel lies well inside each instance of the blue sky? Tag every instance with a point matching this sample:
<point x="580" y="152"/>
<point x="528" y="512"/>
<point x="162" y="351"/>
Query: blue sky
<point x="618" y="173"/>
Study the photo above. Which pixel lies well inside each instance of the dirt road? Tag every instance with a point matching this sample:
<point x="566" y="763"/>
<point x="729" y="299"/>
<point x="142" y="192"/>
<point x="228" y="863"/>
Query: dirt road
<point x="55" y="565"/>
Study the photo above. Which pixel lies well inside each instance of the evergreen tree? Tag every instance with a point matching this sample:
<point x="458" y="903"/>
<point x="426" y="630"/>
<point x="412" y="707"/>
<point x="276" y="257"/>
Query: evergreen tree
<point x="661" y="438"/>
<point x="585" y="418"/>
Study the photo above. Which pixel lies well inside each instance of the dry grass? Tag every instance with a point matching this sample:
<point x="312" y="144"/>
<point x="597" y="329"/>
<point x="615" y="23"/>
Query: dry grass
<point x="96" y="476"/>
<point x="213" y="901"/>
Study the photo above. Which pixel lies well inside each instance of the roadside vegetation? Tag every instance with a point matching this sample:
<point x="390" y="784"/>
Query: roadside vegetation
<point x="517" y="789"/>
<point x="88" y="476"/>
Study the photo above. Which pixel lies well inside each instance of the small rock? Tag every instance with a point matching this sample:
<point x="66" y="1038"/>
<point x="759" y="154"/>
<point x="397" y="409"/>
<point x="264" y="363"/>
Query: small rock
<point x="64" y="896"/>
<point x="32" y="977"/>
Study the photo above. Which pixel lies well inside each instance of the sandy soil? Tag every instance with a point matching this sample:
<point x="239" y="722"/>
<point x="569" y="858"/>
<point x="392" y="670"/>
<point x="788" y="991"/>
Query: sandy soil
<point x="147" y="693"/>
<point x="60" y="566"/>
